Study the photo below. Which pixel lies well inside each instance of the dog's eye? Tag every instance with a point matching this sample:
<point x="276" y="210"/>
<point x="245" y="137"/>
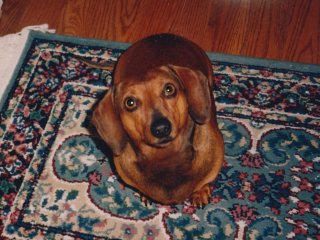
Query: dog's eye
<point x="169" y="90"/>
<point x="130" y="103"/>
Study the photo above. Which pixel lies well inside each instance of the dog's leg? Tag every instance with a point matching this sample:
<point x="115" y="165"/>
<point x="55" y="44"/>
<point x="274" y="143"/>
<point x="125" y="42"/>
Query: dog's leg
<point x="201" y="197"/>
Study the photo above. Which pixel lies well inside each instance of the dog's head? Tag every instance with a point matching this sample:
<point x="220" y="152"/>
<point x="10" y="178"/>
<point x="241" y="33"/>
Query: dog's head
<point x="155" y="109"/>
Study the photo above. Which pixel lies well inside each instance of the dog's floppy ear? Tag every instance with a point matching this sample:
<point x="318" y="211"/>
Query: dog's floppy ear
<point x="108" y="124"/>
<point x="197" y="89"/>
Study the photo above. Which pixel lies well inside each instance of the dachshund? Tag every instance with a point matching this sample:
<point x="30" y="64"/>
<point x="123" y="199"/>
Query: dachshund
<point x="159" y="119"/>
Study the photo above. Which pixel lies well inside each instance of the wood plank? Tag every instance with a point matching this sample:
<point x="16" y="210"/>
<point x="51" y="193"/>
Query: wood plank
<point x="277" y="29"/>
<point x="17" y="14"/>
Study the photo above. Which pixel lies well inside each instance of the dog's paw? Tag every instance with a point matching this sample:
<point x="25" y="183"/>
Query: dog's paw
<point x="147" y="202"/>
<point x="201" y="197"/>
<point x="144" y="200"/>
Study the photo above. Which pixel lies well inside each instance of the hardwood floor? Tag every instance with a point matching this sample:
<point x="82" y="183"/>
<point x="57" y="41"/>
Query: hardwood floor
<point x="276" y="29"/>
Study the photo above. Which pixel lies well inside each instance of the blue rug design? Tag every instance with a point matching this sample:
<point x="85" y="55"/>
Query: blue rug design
<point x="57" y="179"/>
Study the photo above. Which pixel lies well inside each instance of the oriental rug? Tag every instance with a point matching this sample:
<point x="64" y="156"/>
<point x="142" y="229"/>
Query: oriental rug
<point x="57" y="180"/>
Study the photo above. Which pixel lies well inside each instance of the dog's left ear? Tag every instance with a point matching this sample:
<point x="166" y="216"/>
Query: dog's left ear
<point x="197" y="88"/>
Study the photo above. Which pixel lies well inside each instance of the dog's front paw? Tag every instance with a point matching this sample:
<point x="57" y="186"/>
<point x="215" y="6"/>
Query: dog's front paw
<point x="146" y="201"/>
<point x="201" y="197"/>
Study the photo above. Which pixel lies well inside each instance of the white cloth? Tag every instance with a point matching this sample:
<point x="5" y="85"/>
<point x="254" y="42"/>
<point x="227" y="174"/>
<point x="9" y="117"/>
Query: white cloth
<point x="11" y="47"/>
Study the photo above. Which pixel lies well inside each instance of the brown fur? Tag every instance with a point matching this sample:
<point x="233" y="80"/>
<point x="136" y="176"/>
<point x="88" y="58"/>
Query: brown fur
<point x="191" y="157"/>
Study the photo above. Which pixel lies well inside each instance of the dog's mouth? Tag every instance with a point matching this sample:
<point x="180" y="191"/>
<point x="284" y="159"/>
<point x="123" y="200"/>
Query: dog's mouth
<point x="163" y="142"/>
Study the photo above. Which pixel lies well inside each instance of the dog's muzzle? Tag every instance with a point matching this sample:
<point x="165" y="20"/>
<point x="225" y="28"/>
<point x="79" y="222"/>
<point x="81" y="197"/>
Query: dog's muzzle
<point x="161" y="128"/>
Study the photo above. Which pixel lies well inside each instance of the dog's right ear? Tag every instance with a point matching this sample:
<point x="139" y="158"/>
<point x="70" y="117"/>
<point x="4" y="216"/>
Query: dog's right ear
<point x="197" y="89"/>
<point x="108" y="124"/>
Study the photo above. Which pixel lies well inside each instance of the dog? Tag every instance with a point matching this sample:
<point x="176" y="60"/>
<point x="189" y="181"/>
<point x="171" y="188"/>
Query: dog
<point x="159" y="119"/>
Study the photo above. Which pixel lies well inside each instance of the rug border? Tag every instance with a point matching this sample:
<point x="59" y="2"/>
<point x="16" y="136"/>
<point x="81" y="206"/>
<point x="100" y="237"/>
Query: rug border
<point x="214" y="57"/>
<point x="117" y="45"/>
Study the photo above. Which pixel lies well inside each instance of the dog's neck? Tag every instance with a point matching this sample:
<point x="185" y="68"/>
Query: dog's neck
<point x="175" y="151"/>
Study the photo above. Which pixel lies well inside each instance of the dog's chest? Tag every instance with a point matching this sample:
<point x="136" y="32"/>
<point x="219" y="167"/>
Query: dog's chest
<point x="168" y="174"/>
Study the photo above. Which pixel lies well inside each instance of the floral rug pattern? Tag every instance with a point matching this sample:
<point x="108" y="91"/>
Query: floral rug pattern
<point x="57" y="179"/>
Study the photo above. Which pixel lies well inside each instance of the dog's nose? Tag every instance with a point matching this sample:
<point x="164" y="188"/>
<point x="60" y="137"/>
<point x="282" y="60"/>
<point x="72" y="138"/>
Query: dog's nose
<point x="161" y="128"/>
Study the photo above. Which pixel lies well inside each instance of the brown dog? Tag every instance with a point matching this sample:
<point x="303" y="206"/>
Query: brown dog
<point x="159" y="120"/>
